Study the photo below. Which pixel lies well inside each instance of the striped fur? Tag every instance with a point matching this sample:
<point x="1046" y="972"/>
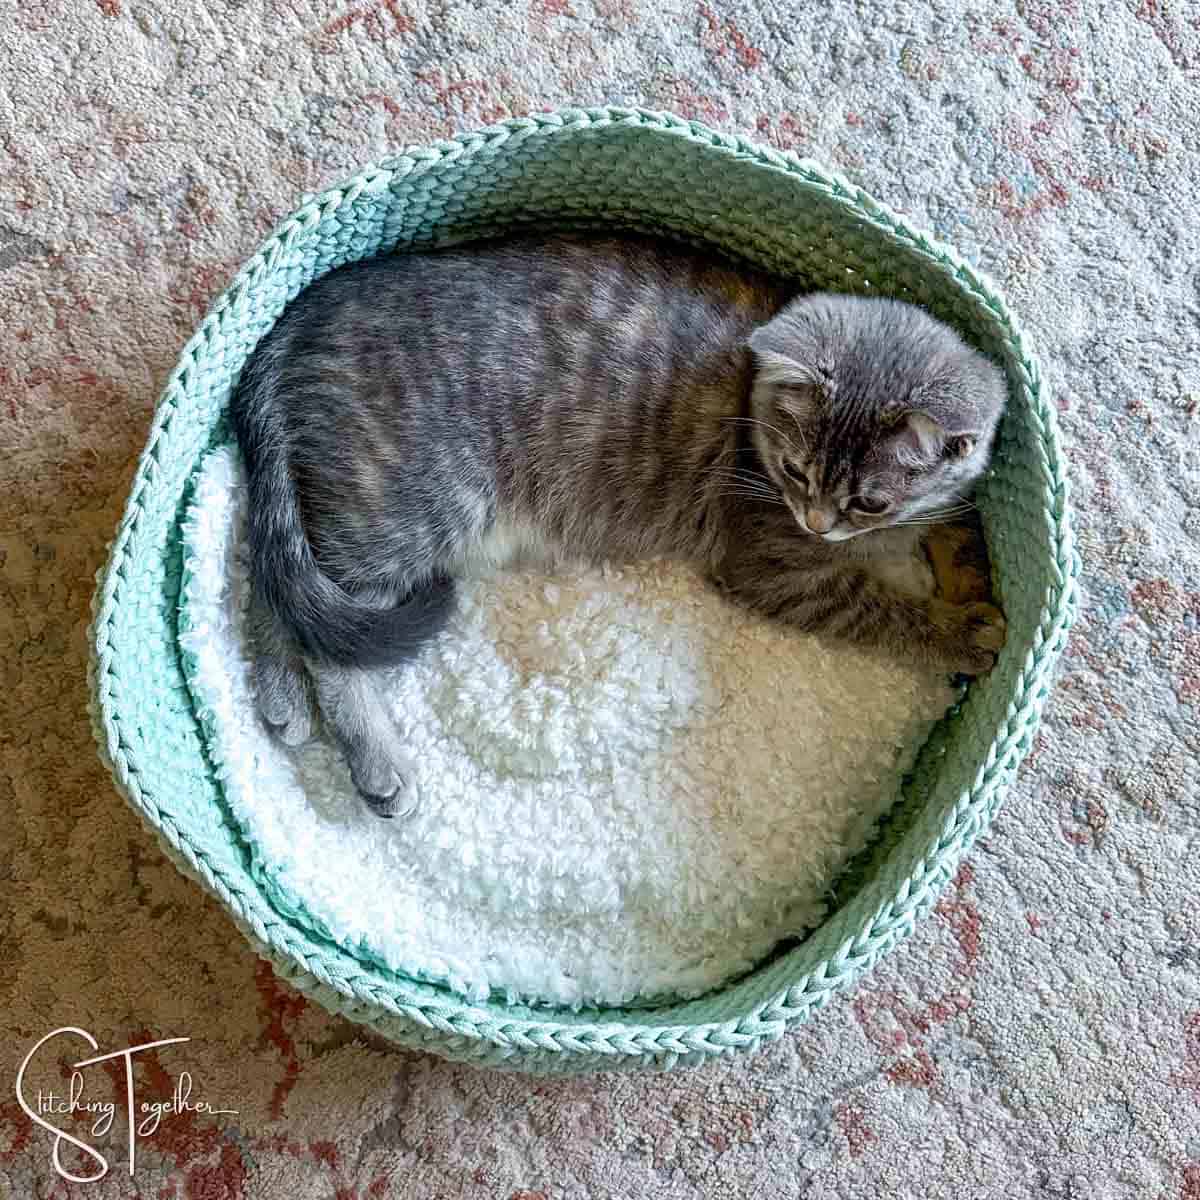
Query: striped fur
<point x="412" y="418"/>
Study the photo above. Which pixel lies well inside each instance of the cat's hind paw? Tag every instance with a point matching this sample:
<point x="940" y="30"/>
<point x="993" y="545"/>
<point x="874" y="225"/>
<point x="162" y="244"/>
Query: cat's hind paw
<point x="384" y="783"/>
<point x="284" y="702"/>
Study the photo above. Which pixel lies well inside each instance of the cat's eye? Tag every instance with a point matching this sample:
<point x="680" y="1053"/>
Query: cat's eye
<point x="871" y="505"/>
<point x="793" y="472"/>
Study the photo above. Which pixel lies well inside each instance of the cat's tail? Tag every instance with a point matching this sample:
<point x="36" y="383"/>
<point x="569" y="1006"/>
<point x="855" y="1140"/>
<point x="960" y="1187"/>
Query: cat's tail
<point x="326" y="621"/>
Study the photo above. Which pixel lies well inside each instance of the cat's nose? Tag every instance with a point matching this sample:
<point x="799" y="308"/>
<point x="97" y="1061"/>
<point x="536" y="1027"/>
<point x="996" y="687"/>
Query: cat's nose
<point x="818" y="520"/>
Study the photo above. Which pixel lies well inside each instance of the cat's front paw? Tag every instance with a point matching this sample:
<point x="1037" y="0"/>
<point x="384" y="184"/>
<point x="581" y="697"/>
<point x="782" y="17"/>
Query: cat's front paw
<point x="975" y="634"/>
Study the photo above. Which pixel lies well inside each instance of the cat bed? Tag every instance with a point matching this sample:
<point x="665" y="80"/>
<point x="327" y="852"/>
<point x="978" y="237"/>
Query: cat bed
<point x="157" y="710"/>
<point x="629" y="790"/>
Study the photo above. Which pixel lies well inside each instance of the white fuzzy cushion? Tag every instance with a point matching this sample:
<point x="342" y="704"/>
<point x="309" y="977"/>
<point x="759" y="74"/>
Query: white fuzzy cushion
<point x="628" y="788"/>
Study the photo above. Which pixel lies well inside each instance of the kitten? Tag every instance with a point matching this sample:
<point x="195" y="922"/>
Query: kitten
<point x="411" y="418"/>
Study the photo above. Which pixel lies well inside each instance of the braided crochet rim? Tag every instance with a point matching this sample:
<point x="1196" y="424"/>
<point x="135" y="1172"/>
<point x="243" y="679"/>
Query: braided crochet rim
<point x="492" y="1034"/>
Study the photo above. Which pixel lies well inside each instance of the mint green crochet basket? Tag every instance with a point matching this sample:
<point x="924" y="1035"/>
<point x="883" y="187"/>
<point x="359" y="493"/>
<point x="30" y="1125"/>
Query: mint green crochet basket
<point x="596" y="168"/>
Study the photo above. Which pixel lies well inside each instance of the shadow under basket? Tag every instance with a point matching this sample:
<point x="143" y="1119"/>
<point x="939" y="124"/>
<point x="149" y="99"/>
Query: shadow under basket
<point x="600" y="169"/>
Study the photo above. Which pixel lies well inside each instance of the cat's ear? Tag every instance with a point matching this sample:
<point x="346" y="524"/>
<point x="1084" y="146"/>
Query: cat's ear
<point x="780" y="371"/>
<point x="916" y="437"/>
<point x="797" y="390"/>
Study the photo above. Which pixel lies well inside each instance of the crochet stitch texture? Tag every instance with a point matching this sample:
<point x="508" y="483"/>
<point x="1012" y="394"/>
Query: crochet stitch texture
<point x="610" y="168"/>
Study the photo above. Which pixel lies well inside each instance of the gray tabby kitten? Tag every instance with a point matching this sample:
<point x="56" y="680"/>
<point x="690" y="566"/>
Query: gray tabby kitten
<point x="413" y="417"/>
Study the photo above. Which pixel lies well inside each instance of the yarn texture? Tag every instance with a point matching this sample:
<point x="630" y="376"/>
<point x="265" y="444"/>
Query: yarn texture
<point x="603" y="168"/>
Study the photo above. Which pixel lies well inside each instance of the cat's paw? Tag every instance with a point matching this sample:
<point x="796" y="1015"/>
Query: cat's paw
<point x="975" y="635"/>
<point x="295" y="731"/>
<point x="987" y="626"/>
<point x="383" y="780"/>
<point x="284" y="703"/>
<point x="985" y="629"/>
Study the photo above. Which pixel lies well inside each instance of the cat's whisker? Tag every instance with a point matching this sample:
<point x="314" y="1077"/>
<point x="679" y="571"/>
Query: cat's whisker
<point x="799" y="430"/>
<point x="917" y="521"/>
<point x="940" y="514"/>
<point x="745" y="477"/>
<point x="719" y="470"/>
<point x="765" y="425"/>
<point x="741" y="471"/>
<point x="728" y="489"/>
<point x="755" y="486"/>
<point x="751" y="496"/>
<point x="747" y="486"/>
<point x="740" y="477"/>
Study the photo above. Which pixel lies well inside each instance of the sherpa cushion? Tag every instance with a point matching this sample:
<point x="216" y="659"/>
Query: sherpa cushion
<point x="628" y="788"/>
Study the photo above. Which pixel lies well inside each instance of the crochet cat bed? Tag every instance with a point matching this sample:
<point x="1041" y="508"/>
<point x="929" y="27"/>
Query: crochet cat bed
<point x="162" y="730"/>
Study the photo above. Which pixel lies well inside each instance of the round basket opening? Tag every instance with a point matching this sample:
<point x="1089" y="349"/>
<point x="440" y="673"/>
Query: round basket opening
<point x="611" y="169"/>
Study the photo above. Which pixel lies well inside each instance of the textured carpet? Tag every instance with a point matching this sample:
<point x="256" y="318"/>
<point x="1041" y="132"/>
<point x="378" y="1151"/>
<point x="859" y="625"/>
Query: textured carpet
<point x="1040" y="1036"/>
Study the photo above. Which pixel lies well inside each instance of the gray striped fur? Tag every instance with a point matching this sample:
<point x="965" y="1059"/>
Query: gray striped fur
<point x="414" y="418"/>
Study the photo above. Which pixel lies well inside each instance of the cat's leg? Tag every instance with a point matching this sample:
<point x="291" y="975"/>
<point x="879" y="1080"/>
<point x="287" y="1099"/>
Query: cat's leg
<point x="964" y="638"/>
<point x="945" y="577"/>
<point x="858" y="606"/>
<point x="959" y="559"/>
<point x="356" y="716"/>
<point x="282" y="688"/>
<point x="355" y="712"/>
<point x="910" y="575"/>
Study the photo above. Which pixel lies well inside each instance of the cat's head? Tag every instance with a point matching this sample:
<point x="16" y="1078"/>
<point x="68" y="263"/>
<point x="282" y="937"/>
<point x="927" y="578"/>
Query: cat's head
<point x="868" y="413"/>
